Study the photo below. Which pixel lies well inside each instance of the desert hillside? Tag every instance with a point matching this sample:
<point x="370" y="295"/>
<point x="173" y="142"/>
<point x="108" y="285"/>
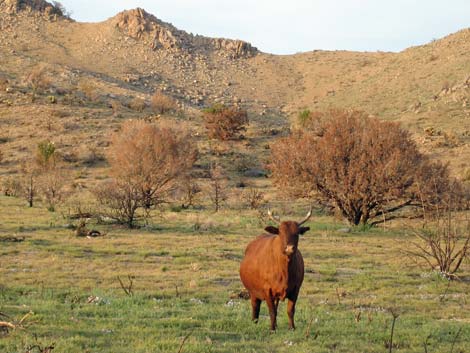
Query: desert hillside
<point x="133" y="205"/>
<point x="95" y="66"/>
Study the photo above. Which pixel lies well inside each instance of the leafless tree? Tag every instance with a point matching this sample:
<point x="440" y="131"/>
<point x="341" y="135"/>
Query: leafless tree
<point x="254" y="198"/>
<point x="218" y="186"/>
<point x="28" y="181"/>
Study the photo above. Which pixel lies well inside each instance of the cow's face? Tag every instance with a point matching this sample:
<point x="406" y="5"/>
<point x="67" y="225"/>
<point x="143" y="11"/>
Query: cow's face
<point x="289" y="234"/>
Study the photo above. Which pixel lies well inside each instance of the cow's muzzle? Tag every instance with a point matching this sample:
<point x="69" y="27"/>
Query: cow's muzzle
<point x="289" y="250"/>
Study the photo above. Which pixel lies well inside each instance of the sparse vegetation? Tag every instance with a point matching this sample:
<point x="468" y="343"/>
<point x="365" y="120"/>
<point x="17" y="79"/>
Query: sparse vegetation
<point x="442" y="244"/>
<point x="11" y="186"/>
<point x="162" y="103"/>
<point x="218" y="186"/>
<point x="38" y="80"/>
<point x="52" y="183"/>
<point x="46" y="156"/>
<point x="3" y="83"/>
<point x="254" y="198"/>
<point x="28" y="181"/>
<point x="121" y="201"/>
<point x="137" y="104"/>
<point x="190" y="191"/>
<point x="184" y="293"/>
<point x="89" y="89"/>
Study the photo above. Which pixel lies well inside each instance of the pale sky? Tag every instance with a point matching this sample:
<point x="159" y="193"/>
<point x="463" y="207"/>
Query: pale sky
<point x="287" y="27"/>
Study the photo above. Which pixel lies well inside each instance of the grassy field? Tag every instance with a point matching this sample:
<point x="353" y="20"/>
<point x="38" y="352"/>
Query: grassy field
<point x="186" y="289"/>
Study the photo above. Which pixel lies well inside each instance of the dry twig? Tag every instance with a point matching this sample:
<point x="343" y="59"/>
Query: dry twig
<point x="455" y="340"/>
<point x="13" y="325"/>
<point x="184" y="341"/>
<point x="127" y="288"/>
<point x="395" y="316"/>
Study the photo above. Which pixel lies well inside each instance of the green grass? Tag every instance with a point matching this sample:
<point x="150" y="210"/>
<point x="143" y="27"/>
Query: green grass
<point x="186" y="283"/>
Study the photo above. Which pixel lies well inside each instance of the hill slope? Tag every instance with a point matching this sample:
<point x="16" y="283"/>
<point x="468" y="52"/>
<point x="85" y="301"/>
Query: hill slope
<point x="134" y="53"/>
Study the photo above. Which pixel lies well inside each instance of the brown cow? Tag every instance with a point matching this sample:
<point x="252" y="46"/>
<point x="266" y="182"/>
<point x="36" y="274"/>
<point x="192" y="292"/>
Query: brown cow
<point x="273" y="268"/>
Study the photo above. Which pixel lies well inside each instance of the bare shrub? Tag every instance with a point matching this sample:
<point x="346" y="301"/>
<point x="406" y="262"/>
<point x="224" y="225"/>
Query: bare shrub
<point x="4" y="82"/>
<point x="116" y="107"/>
<point x="147" y="162"/>
<point x="466" y="176"/>
<point x="81" y="205"/>
<point x="28" y="181"/>
<point x="52" y="184"/>
<point x="224" y="123"/>
<point x="218" y="186"/>
<point x="89" y="90"/>
<point x="90" y="155"/>
<point x="11" y="186"/>
<point x="190" y="190"/>
<point x="254" y="198"/>
<point x="38" y="80"/>
<point x="442" y="244"/>
<point x="45" y="175"/>
<point x="244" y="162"/>
<point x="121" y="201"/>
<point x="137" y="104"/>
<point x="50" y="122"/>
<point x="366" y="168"/>
<point x="162" y="103"/>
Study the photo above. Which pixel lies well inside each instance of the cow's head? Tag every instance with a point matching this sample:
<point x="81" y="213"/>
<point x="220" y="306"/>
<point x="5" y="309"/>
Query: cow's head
<point x="288" y="232"/>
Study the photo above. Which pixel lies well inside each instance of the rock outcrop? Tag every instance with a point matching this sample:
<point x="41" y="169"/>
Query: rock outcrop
<point x="34" y="6"/>
<point x="238" y="48"/>
<point x="139" y="24"/>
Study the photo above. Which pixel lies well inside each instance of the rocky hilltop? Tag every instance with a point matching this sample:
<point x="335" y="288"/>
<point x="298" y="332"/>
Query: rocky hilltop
<point x="141" y="25"/>
<point x="32" y="6"/>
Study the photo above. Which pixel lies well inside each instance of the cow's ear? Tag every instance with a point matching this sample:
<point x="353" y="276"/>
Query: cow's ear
<point x="302" y="230"/>
<point x="272" y="230"/>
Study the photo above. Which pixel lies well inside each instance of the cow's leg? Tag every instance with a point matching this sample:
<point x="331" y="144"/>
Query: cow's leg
<point x="255" y="306"/>
<point x="290" y="313"/>
<point x="272" y="310"/>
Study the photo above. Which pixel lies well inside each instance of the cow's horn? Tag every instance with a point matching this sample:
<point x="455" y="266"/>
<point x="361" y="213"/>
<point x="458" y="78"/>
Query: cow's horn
<point x="273" y="217"/>
<point x="309" y="214"/>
